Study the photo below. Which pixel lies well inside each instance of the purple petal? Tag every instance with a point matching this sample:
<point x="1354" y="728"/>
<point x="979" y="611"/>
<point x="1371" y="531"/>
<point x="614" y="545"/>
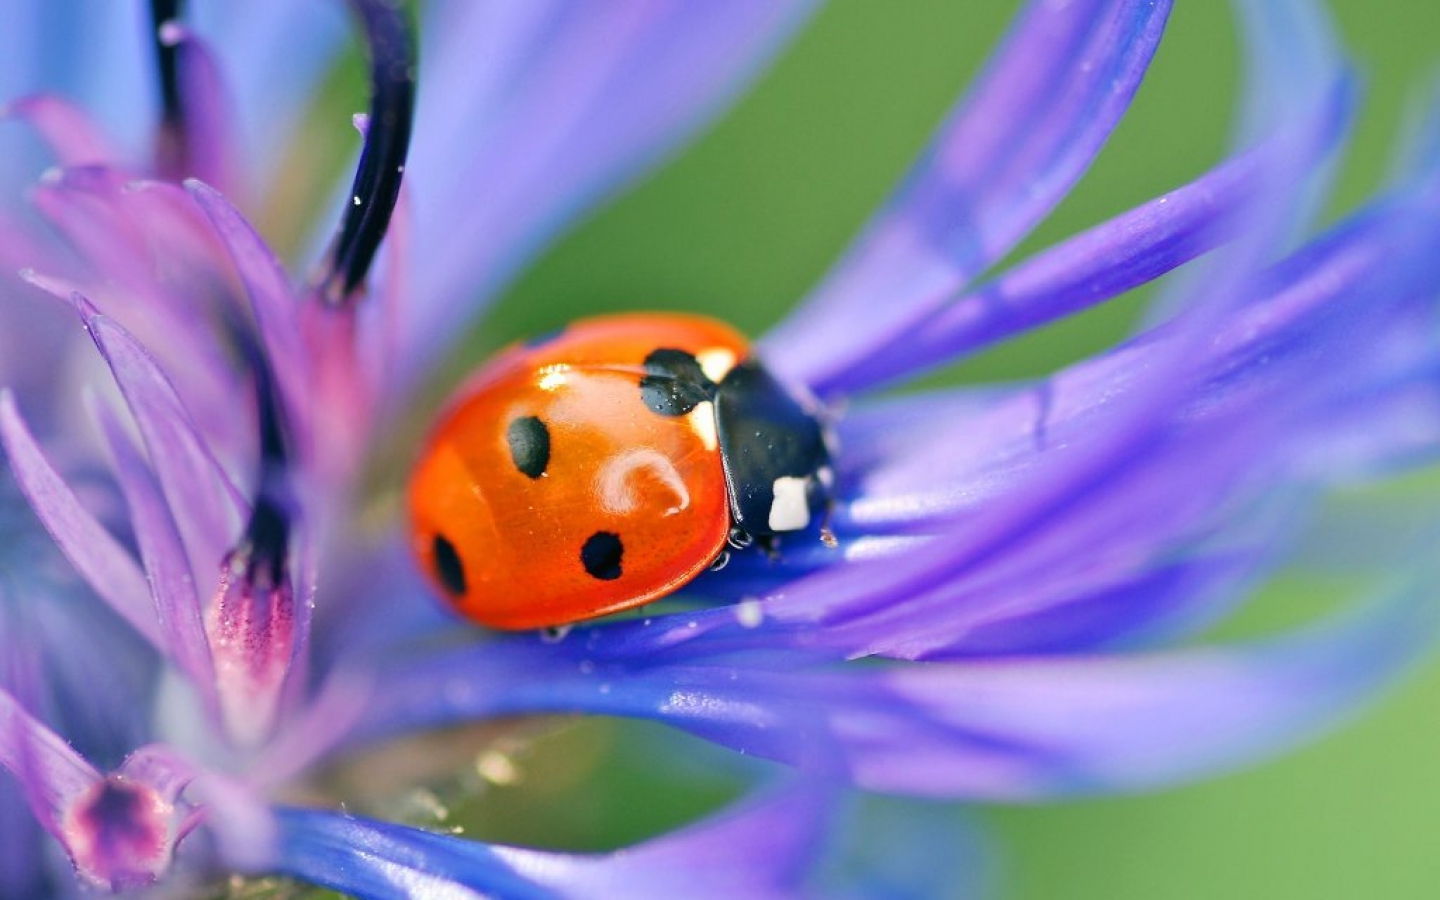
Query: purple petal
<point x="273" y="54"/>
<point x="50" y="773"/>
<point x="207" y="506"/>
<point x="762" y="849"/>
<point x="66" y="129"/>
<point x="1009" y="153"/>
<point x="272" y="301"/>
<point x="626" y="83"/>
<point x="1019" y="728"/>
<point x="96" y="555"/>
<point x="207" y="142"/>
<point x="99" y="58"/>
<point x="118" y="834"/>
<point x="176" y="602"/>
<point x="150" y="260"/>
<point x="161" y="768"/>
<point x="1062" y="727"/>
<point x="1088" y="269"/>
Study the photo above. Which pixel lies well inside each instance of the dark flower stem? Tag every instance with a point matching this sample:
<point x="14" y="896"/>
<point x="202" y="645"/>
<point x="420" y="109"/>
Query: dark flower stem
<point x="171" y="153"/>
<point x="382" y="162"/>
<point x="265" y="547"/>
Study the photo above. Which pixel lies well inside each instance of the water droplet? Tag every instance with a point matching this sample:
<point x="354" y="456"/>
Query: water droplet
<point x="497" y="768"/>
<point x="554" y="634"/>
<point x="586" y="667"/>
<point x="749" y="613"/>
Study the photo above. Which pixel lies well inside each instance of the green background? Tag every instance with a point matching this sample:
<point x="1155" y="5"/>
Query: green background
<point x="749" y="217"/>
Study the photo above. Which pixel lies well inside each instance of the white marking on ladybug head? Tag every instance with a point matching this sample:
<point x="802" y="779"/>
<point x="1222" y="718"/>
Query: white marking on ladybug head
<point x="790" y="510"/>
<point x="702" y="422"/>
<point x="716" y="363"/>
<point x="617" y="484"/>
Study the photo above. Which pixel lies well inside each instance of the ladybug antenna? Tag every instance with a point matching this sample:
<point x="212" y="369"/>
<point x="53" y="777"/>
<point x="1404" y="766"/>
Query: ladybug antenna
<point x="171" y="151"/>
<point x="376" y="187"/>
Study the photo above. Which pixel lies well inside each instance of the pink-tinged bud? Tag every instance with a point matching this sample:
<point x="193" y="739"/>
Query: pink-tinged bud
<point x="119" y="833"/>
<point x="251" y="627"/>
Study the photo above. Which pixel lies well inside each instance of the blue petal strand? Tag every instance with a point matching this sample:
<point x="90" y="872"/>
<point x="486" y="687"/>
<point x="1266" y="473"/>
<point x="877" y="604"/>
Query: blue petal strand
<point x="761" y="849"/>
<point x="1012" y="149"/>
<point x="1020" y="728"/>
<point x="1086" y="270"/>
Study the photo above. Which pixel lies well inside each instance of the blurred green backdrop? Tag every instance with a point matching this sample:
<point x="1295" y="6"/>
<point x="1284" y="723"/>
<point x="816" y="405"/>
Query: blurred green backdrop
<point x="750" y="216"/>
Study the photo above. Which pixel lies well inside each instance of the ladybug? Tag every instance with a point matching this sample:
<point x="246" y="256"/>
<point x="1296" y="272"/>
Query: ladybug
<point x="609" y="464"/>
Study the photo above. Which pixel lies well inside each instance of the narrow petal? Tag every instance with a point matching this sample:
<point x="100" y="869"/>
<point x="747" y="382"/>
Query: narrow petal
<point x="94" y="552"/>
<point x="762" y="849"/>
<point x="176" y="600"/>
<point x="1031" y="126"/>
<point x="148" y="258"/>
<point x="1090" y="268"/>
<point x="208" y="507"/>
<point x="626" y="83"/>
<point x="66" y="129"/>
<point x="99" y="59"/>
<point x="268" y="288"/>
<point x="50" y="773"/>
<point x="204" y="148"/>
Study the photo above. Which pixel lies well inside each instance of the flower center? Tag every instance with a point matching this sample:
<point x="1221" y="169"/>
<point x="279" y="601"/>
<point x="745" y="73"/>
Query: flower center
<point x="119" y="833"/>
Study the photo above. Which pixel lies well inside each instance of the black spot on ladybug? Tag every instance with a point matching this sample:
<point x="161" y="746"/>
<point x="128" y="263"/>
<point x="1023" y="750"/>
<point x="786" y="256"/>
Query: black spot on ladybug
<point x="674" y="383"/>
<point x="448" y="565"/>
<point x="601" y="555"/>
<point x="529" y="441"/>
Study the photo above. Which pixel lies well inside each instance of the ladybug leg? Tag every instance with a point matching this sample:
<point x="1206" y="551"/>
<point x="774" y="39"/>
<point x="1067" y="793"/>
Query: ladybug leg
<point x="739" y="538"/>
<point x="822" y="497"/>
<point x="769" y="544"/>
<point x="827" y="534"/>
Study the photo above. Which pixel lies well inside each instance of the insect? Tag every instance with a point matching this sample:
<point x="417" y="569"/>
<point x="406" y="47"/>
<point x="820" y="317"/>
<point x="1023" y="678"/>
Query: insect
<point x="609" y="464"/>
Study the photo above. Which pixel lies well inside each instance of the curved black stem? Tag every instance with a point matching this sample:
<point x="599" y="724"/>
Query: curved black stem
<point x="170" y="151"/>
<point x="264" y="548"/>
<point x="382" y="162"/>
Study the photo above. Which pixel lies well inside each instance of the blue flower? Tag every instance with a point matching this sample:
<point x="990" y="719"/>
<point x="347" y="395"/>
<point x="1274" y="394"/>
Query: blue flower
<point x="1019" y="569"/>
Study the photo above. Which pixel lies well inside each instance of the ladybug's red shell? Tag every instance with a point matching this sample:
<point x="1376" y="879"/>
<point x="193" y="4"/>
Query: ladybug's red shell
<point x="552" y="490"/>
